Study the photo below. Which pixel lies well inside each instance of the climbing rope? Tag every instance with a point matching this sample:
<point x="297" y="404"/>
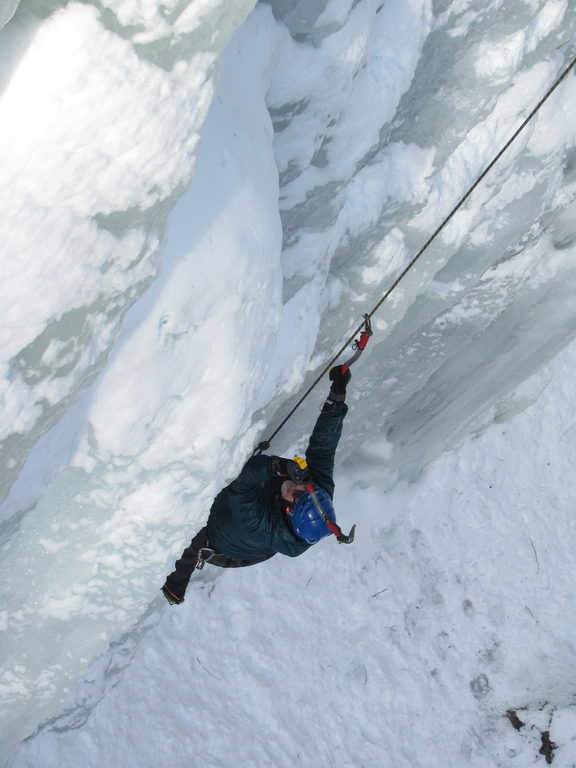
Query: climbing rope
<point x="264" y="445"/>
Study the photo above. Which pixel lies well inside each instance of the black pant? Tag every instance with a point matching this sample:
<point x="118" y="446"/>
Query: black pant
<point x="178" y="580"/>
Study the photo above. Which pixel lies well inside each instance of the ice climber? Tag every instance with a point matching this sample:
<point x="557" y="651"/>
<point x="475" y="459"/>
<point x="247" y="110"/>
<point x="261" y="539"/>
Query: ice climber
<point x="274" y="505"/>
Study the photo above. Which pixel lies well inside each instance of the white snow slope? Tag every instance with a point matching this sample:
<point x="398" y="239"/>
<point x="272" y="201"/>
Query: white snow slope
<point x="199" y="203"/>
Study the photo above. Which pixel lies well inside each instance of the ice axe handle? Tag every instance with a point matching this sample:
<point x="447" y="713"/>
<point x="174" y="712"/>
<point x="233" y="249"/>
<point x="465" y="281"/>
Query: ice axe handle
<point x="363" y="340"/>
<point x="360" y="344"/>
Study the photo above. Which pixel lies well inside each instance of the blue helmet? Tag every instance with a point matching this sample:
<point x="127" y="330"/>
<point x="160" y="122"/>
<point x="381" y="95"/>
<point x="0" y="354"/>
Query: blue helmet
<point x="307" y="523"/>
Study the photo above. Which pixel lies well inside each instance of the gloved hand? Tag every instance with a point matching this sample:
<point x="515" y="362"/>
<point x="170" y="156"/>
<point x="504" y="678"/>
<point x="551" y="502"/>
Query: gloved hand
<point x="339" y="376"/>
<point x="171" y="597"/>
<point x="288" y="468"/>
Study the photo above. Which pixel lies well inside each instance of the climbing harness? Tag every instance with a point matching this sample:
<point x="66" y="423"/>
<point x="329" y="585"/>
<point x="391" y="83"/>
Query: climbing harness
<point x="365" y="327"/>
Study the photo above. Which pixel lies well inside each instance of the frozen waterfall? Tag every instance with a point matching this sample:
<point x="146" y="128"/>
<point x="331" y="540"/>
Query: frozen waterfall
<point x="200" y="199"/>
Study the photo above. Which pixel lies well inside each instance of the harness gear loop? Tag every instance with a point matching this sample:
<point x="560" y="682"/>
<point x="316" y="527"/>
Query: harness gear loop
<point x="205" y="554"/>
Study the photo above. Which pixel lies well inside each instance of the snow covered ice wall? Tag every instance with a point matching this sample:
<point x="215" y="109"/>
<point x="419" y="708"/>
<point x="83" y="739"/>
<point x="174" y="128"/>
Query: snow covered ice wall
<point x="384" y="113"/>
<point x="102" y="107"/>
<point x="367" y="179"/>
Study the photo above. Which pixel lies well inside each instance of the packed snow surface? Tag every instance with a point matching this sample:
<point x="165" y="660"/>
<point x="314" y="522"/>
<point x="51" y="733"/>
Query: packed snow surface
<point x="407" y="649"/>
<point x="199" y="204"/>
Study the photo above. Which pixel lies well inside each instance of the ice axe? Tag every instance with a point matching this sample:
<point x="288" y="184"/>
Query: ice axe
<point x="332" y="527"/>
<point x="359" y="345"/>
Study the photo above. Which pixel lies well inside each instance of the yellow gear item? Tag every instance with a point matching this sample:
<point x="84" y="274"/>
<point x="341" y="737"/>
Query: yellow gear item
<point x="302" y="463"/>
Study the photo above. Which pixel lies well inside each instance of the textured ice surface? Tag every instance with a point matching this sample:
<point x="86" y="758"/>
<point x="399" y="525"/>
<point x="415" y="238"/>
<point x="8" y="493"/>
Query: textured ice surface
<point x="185" y="236"/>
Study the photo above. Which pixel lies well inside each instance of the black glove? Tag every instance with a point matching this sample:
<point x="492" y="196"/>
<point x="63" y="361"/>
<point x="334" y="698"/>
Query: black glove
<point x="171" y="597"/>
<point x="288" y="468"/>
<point x="339" y="376"/>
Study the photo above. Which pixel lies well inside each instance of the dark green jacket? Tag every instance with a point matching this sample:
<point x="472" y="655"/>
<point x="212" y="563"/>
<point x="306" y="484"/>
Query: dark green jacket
<point x="247" y="522"/>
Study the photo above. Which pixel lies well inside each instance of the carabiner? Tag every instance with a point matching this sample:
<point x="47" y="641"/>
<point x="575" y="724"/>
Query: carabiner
<point x="205" y="554"/>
